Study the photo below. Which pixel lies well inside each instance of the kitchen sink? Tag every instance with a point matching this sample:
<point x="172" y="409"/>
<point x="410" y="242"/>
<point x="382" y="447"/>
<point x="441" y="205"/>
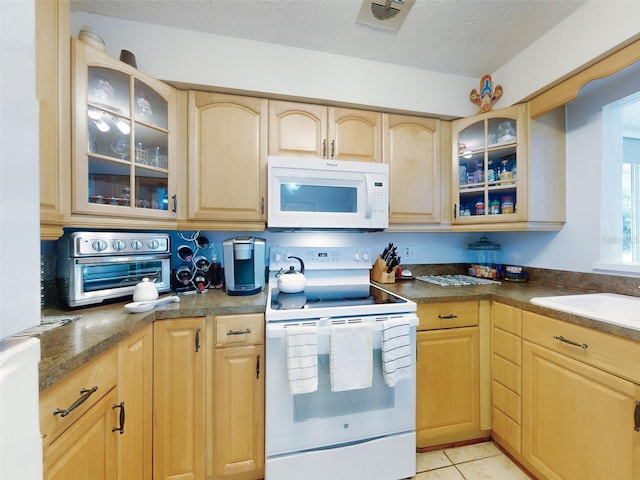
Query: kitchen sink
<point x="623" y="310"/>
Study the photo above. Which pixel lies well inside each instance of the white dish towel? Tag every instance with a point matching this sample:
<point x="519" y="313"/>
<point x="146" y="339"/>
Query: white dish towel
<point x="302" y="359"/>
<point x="396" y="351"/>
<point x="351" y="357"/>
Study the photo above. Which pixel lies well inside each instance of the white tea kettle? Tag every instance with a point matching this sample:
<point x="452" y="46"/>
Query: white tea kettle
<point x="292" y="281"/>
<point x="145" y="291"/>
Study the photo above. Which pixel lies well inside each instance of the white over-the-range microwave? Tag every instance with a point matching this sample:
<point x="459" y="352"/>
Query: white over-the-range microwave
<point x="327" y="194"/>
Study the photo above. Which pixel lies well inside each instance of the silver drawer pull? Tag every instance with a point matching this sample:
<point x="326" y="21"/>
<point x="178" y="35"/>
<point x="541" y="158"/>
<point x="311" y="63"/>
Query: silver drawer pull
<point x="239" y="332"/>
<point x="583" y="346"/>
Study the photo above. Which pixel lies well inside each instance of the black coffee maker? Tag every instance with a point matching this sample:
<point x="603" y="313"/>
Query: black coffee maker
<point x="244" y="265"/>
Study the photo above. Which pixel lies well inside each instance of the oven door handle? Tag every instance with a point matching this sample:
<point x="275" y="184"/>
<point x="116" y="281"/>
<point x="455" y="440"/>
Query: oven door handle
<point x="278" y="330"/>
<point x="119" y="259"/>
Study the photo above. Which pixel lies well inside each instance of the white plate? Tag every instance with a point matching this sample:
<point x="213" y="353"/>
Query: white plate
<point x="139" y="307"/>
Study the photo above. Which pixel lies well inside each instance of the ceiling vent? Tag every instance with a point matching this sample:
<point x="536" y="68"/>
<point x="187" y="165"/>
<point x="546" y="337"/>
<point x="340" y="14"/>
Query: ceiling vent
<point x="385" y="14"/>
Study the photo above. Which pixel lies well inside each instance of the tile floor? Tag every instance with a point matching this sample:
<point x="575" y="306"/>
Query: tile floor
<point x="481" y="461"/>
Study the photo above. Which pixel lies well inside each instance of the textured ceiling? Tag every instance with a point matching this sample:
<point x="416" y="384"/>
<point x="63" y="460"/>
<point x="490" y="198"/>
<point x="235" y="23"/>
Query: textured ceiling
<point x="465" y="37"/>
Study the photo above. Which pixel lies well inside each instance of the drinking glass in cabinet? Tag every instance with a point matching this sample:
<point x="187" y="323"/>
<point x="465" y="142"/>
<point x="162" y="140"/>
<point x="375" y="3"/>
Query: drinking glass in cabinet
<point x="151" y="147"/>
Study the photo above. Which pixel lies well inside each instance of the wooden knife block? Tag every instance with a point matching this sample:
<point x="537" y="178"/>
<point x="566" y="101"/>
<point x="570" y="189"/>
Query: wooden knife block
<point x="379" y="272"/>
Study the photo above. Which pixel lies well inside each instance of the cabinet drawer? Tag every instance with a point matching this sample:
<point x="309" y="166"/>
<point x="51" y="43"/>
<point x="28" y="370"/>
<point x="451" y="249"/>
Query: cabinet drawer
<point x="506" y="430"/>
<point x="506" y="401"/>
<point x="507" y="345"/>
<point x="613" y="354"/>
<point x="507" y="373"/>
<point x="101" y="373"/>
<point x="434" y="316"/>
<point x="507" y="318"/>
<point x="233" y="330"/>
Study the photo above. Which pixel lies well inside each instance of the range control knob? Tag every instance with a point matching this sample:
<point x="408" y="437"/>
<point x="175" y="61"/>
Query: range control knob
<point x="365" y="257"/>
<point x="356" y="257"/>
<point x="99" y="245"/>
<point x="119" y="245"/>
<point x="153" y="244"/>
<point x="137" y="244"/>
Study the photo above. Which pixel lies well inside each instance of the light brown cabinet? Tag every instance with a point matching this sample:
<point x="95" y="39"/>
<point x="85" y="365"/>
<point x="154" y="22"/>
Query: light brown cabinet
<point x="236" y="398"/>
<point x="53" y="89"/>
<point x="412" y="150"/>
<point x="506" y="385"/>
<point x="124" y="144"/>
<point x="77" y="420"/>
<point x="226" y="178"/>
<point x="508" y="171"/>
<point x="179" y="399"/>
<point x="318" y="131"/>
<point x="578" y="401"/>
<point x="135" y="388"/>
<point x="448" y="392"/>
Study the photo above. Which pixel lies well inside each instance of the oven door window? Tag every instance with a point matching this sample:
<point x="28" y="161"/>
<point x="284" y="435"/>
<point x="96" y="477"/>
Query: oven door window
<point x="111" y="275"/>
<point x="324" y="403"/>
<point x="296" y="197"/>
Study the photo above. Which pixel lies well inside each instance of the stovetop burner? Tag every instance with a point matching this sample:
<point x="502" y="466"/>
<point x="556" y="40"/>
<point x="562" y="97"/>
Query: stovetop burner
<point x="327" y="296"/>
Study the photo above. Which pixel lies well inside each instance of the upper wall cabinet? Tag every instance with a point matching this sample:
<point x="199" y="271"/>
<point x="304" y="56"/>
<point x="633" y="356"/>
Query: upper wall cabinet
<point x="227" y="158"/>
<point x="53" y="82"/>
<point x="412" y="150"/>
<point x="308" y="130"/>
<point x="508" y="171"/>
<point x="124" y="143"/>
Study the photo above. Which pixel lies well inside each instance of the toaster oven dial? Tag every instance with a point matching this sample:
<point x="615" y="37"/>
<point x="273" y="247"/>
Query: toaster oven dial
<point x="99" y="245"/>
<point x="119" y="245"/>
<point x="153" y="244"/>
<point x="136" y="244"/>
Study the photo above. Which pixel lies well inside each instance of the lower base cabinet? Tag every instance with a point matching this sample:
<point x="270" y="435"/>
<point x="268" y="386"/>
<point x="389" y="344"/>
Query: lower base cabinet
<point x="135" y="386"/>
<point x="578" y="420"/>
<point x="452" y="386"/>
<point x="87" y="450"/>
<point x="447" y="392"/>
<point x="77" y="421"/>
<point x="179" y="399"/>
<point x="193" y="390"/>
<point x="237" y="398"/>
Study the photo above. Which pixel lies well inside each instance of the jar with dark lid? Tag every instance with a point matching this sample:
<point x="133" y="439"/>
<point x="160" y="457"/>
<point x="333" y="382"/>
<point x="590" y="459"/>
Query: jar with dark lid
<point x="483" y="258"/>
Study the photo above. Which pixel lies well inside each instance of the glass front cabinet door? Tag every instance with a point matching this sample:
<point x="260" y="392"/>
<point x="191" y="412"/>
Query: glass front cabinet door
<point x="124" y="135"/>
<point x="489" y="169"/>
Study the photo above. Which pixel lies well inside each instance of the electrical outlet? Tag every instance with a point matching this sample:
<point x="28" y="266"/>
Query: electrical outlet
<point x="409" y="253"/>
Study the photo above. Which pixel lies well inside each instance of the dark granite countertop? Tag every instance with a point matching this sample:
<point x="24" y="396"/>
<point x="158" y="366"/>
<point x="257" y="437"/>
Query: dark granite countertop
<point x="100" y="328"/>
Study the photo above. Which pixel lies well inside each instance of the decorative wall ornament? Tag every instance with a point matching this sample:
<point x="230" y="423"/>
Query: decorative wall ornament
<point x="487" y="96"/>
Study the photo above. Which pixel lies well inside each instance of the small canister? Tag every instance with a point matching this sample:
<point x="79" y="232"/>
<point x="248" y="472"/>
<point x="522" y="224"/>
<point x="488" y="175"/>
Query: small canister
<point x="507" y="205"/>
<point x="480" y="208"/>
<point x="494" y="207"/>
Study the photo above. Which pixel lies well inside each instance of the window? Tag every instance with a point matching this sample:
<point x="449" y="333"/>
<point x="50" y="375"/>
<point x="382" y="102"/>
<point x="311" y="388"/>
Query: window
<point x="620" y="213"/>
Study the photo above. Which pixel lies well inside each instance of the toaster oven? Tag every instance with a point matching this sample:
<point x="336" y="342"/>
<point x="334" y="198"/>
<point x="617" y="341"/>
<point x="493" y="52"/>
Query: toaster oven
<point x="96" y="266"/>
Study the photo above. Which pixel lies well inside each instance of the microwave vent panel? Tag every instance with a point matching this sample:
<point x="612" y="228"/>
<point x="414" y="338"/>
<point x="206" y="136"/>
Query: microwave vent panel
<point x="384" y="14"/>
